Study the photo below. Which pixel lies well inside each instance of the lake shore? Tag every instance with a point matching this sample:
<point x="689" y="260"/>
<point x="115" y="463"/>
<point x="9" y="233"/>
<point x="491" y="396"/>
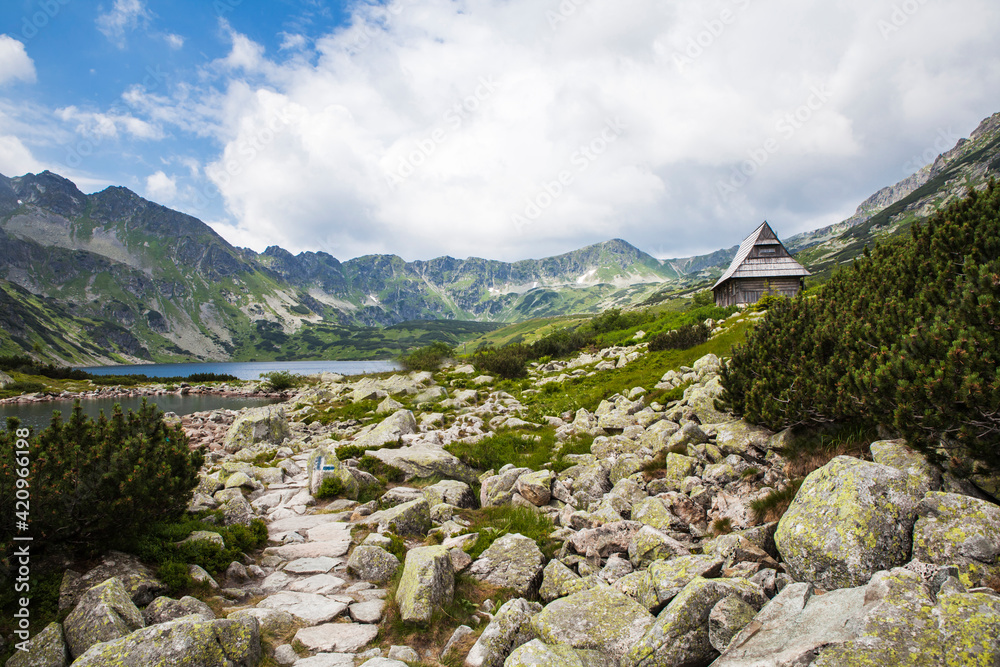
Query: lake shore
<point x="250" y="390"/>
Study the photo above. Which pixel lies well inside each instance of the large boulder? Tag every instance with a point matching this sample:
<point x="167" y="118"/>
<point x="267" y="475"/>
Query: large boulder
<point x="923" y="476"/>
<point x="513" y="561"/>
<point x="428" y="582"/>
<point x="849" y="520"/>
<point x="412" y="518"/>
<point x="391" y="430"/>
<point x="668" y="577"/>
<point x="164" y="609"/>
<point x="105" y="613"/>
<point x="650" y="544"/>
<point x="535" y="487"/>
<point x="372" y="563"/>
<point x="452" y="492"/>
<point x="894" y="620"/>
<point x="601" y="619"/>
<point x="559" y="581"/>
<point x="509" y="629"/>
<point x="181" y="643"/>
<point x="736" y="437"/>
<point x="138" y="580"/>
<point x="46" y="649"/>
<point x="267" y="424"/>
<point x="538" y="654"/>
<point x="680" y="634"/>
<point x="960" y="531"/>
<point x="423" y="460"/>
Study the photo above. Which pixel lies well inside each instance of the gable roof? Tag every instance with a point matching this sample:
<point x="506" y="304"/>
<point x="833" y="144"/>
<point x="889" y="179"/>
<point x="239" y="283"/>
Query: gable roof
<point x="745" y="266"/>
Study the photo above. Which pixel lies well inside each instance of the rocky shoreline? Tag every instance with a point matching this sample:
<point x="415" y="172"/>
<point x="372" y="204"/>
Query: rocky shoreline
<point x="661" y="559"/>
<point x="250" y="390"/>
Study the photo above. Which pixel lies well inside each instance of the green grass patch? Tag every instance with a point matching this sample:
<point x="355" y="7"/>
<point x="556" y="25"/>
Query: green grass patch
<point x="492" y="523"/>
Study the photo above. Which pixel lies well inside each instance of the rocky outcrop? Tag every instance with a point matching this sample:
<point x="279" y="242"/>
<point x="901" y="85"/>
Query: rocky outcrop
<point x="428" y="581"/>
<point x="960" y="531"/>
<point x="103" y="614"/>
<point x="509" y="629"/>
<point x="258" y="425"/>
<point x="513" y="561"/>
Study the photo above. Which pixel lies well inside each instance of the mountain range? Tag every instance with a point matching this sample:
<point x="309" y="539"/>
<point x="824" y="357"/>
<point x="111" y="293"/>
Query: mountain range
<point x="111" y="277"/>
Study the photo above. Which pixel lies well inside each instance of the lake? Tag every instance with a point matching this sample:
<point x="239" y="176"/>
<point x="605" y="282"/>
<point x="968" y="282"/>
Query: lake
<point x="38" y="415"/>
<point x="248" y="370"/>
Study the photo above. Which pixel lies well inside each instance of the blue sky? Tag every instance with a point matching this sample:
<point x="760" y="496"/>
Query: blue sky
<point x="498" y="128"/>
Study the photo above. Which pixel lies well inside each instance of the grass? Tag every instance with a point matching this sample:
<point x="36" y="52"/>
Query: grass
<point x="722" y="526"/>
<point x="809" y="450"/>
<point x="774" y="505"/>
<point x="492" y="523"/>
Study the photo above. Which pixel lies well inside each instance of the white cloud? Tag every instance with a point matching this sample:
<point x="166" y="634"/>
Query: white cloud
<point x="108" y="125"/>
<point x="175" y="42"/>
<point x="514" y="128"/>
<point x="15" y="158"/>
<point x="161" y="188"/>
<point x="124" y="17"/>
<point x="292" y="41"/>
<point x="14" y="61"/>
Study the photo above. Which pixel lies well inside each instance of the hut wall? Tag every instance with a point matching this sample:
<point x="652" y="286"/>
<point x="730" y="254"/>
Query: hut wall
<point x="739" y="291"/>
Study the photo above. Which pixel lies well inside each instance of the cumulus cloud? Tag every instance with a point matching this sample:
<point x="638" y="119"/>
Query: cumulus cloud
<point x="161" y="188"/>
<point x="15" y="64"/>
<point x="16" y="158"/>
<point x="101" y="126"/>
<point x="124" y="17"/>
<point x="520" y="128"/>
<point x="175" y="42"/>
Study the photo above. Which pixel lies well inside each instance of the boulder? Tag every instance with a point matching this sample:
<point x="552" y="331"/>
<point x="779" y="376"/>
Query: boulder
<point x="559" y="581"/>
<point x="650" y="544"/>
<point x="960" y="531"/>
<point x="391" y="430"/>
<point x="680" y="634"/>
<point x="513" y="561"/>
<point x="498" y="490"/>
<point x="237" y="510"/>
<point x="509" y="629"/>
<point x="736" y="437"/>
<point x="893" y="620"/>
<point x="667" y="578"/>
<point x="137" y="579"/>
<point x="104" y="613"/>
<point x="256" y="425"/>
<point x="700" y="398"/>
<point x="181" y="643"/>
<point x="46" y="649"/>
<point x="271" y="621"/>
<point x="923" y="476"/>
<point x="337" y="637"/>
<point x="311" y="608"/>
<point x="535" y="487"/>
<point x="452" y="492"/>
<point x="373" y="564"/>
<point x="428" y="581"/>
<point x="849" y="520"/>
<point x="655" y="513"/>
<point x="601" y="619"/>
<point x="538" y="654"/>
<point x="729" y="615"/>
<point x="164" y="609"/>
<point x="423" y="460"/>
<point x="605" y="540"/>
<point x="412" y="518"/>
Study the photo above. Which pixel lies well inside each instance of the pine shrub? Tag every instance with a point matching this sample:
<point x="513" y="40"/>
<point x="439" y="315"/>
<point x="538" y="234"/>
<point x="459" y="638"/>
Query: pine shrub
<point x="908" y="337"/>
<point x="683" y="338"/>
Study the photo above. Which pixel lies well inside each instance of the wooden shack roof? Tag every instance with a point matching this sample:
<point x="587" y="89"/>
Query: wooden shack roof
<point x="747" y="265"/>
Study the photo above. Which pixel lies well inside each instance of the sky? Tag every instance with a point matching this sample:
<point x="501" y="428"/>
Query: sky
<point x="505" y="129"/>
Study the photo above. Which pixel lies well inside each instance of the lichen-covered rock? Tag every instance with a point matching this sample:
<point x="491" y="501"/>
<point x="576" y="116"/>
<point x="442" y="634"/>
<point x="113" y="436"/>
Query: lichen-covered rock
<point x="513" y="561"/>
<point x="680" y="634"/>
<point x="729" y="615"/>
<point x="657" y="434"/>
<point x="922" y="475"/>
<point x="559" y="581"/>
<point x="372" y="563"/>
<point x="137" y="579"/>
<point x="535" y="487"/>
<point x="601" y="619"/>
<point x="605" y="540"/>
<point x="849" y="520"/>
<point x="412" y="518"/>
<point x="654" y="512"/>
<point x="104" y="613"/>
<point x="256" y="425"/>
<point x="650" y="544"/>
<point x="218" y="643"/>
<point x="451" y="492"/>
<point x="164" y="609"/>
<point x="392" y="428"/>
<point x="423" y="460"/>
<point x="46" y="649"/>
<point x="736" y="436"/>
<point x="497" y="490"/>
<point x="428" y="581"/>
<point x="271" y="621"/>
<point x="700" y="398"/>
<point x="678" y="468"/>
<point x="510" y="628"/>
<point x="668" y="577"/>
<point x="960" y="531"/>
<point x="237" y="510"/>
<point x="538" y="654"/>
<point x="638" y="587"/>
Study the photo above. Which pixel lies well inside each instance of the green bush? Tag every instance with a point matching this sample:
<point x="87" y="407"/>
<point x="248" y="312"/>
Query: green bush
<point x="683" y="338"/>
<point x="427" y="358"/>
<point x="93" y="481"/>
<point x="282" y="380"/>
<point x="26" y="387"/>
<point x="509" y="362"/>
<point x="907" y="337"/>
<point x="331" y="487"/>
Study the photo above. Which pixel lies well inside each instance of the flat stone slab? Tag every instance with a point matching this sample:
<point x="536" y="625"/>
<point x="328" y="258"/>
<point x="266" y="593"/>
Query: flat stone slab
<point x="327" y="660"/>
<point x="320" y="565"/>
<point x="330" y="532"/>
<point x="367" y="612"/>
<point x="337" y="637"/>
<point x="276" y="581"/>
<point x="310" y="550"/>
<point x="309" y="607"/>
<point x="300" y="524"/>
<point x="322" y="584"/>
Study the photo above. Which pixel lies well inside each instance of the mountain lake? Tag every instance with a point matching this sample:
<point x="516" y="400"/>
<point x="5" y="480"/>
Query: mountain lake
<point x="38" y="415"/>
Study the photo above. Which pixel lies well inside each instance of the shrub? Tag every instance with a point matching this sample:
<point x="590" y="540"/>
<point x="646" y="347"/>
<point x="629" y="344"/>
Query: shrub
<point x="26" y="387"/>
<point x="282" y="380"/>
<point x="510" y="362"/>
<point x="683" y="338"/>
<point x="907" y="337"/>
<point x="331" y="487"/>
<point x="427" y="358"/>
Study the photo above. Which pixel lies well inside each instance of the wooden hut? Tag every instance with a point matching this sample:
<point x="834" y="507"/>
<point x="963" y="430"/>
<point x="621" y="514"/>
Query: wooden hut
<point x="762" y="266"/>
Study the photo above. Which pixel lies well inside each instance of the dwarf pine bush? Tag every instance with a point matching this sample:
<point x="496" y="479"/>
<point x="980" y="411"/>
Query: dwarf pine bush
<point x="908" y="337"/>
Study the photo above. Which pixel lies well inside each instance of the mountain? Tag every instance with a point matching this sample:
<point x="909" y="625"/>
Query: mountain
<point x="125" y="279"/>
